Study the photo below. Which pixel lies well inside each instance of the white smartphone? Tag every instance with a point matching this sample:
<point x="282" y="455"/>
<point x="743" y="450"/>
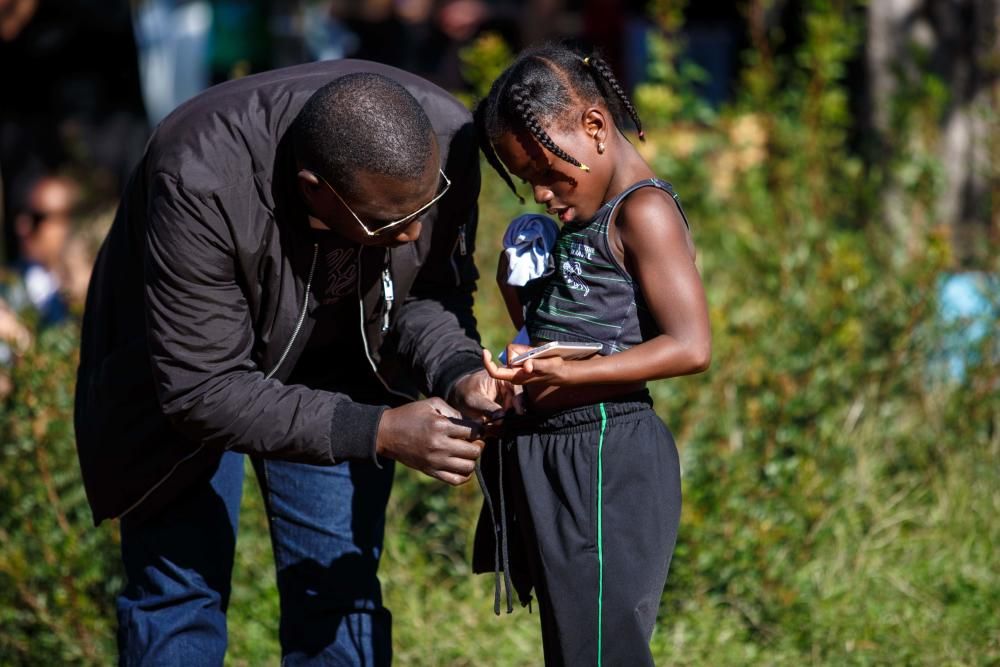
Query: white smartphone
<point x="558" y="349"/>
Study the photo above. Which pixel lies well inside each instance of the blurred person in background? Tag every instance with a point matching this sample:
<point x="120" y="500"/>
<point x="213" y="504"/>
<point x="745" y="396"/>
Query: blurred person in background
<point x="425" y="36"/>
<point x="71" y="96"/>
<point x="42" y="227"/>
<point x="173" y="40"/>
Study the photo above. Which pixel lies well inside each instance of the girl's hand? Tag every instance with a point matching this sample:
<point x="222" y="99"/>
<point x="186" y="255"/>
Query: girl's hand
<point x="551" y="371"/>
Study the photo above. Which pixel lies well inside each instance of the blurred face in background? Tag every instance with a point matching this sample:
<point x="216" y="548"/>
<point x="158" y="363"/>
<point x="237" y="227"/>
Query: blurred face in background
<point x="46" y="221"/>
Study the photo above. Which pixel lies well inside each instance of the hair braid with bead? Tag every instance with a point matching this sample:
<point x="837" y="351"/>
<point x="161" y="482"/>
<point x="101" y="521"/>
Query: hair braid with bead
<point x="486" y="146"/>
<point x="519" y="98"/>
<point x="602" y="68"/>
<point x="545" y="86"/>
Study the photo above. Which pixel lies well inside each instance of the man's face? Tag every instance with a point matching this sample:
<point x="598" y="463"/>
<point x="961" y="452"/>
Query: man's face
<point x="377" y="201"/>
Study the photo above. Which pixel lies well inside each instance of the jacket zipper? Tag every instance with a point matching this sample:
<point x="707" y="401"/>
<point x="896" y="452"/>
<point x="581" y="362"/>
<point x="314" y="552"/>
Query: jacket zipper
<point x="288" y="348"/>
<point x="302" y="315"/>
<point x="462" y="249"/>
<point x="388" y="297"/>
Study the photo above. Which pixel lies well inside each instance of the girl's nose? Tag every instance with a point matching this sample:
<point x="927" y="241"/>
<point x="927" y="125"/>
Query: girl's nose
<point x="542" y="194"/>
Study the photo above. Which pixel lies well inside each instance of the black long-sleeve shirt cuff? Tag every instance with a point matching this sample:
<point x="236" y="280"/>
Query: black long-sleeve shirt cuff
<point x="353" y="431"/>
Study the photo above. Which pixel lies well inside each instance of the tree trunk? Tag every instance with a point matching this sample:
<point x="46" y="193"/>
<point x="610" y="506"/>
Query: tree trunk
<point x="959" y="38"/>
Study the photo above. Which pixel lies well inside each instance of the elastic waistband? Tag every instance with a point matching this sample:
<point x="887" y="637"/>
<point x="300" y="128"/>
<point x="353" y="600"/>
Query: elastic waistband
<point x="627" y="407"/>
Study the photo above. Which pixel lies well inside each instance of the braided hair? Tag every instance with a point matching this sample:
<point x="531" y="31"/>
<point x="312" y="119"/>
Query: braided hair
<point x="544" y="86"/>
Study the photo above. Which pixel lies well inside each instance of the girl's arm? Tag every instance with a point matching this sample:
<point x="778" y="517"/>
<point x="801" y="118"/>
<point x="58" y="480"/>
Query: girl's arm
<point x="509" y="293"/>
<point x="657" y="251"/>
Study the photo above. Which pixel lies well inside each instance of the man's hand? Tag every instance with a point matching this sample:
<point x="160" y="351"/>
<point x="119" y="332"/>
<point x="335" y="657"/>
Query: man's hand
<point x="430" y="436"/>
<point x="480" y="397"/>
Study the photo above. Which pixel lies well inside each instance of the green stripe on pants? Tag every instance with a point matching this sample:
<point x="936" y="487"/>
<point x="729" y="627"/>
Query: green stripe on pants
<point x="600" y="540"/>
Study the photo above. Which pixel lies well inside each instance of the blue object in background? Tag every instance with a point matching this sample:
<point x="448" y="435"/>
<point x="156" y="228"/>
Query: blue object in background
<point x="173" y="42"/>
<point x="969" y="309"/>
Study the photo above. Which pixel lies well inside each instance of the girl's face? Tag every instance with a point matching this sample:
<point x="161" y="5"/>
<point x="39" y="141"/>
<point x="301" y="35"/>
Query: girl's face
<point x="566" y="191"/>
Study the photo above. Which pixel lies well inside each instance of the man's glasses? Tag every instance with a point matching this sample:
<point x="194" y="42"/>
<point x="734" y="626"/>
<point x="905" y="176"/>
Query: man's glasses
<point x="387" y="227"/>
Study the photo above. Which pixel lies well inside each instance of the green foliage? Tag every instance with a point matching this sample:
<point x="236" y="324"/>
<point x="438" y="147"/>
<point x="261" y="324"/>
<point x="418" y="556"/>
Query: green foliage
<point x="840" y="495"/>
<point x="668" y="95"/>
<point x="58" y="574"/>
<point x="481" y="63"/>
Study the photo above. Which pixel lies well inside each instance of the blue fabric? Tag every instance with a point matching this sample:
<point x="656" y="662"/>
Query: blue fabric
<point x="528" y="244"/>
<point x="327" y="525"/>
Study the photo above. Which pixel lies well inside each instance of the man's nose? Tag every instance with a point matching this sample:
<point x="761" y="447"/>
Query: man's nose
<point x="542" y="193"/>
<point x="410" y="232"/>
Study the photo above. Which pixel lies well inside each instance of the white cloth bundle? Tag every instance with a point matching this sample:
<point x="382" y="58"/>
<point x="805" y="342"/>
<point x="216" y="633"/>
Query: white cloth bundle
<point x="527" y="244"/>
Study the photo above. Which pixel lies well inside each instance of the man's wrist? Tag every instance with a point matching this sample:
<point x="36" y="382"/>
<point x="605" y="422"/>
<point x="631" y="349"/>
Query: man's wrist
<point x="379" y="447"/>
<point x="453" y="393"/>
<point x="464" y="365"/>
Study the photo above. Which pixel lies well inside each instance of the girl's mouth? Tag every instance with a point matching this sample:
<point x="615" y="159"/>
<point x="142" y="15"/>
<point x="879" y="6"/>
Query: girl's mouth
<point x="565" y="214"/>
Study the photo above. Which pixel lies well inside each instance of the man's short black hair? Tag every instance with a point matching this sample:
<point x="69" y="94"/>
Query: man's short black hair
<point x="363" y="121"/>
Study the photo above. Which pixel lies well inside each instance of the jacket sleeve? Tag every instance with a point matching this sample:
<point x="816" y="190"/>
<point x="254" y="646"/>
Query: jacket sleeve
<point x="436" y="327"/>
<point x="200" y="340"/>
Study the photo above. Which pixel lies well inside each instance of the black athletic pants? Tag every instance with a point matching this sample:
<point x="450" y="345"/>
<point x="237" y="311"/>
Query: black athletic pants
<point x="582" y="506"/>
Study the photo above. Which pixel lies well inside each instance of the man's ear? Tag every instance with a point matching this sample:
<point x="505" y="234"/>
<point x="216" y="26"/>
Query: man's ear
<point x="595" y="123"/>
<point x="308" y="179"/>
<point x="309" y="185"/>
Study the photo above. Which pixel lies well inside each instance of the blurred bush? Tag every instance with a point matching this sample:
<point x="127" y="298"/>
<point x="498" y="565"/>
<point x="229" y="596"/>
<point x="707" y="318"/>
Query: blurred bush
<point x="840" y="495"/>
<point x="58" y="574"/>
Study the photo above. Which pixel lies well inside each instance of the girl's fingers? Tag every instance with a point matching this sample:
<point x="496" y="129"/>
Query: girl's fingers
<point x="497" y="372"/>
<point x="506" y="374"/>
<point x="488" y="364"/>
<point x="515" y="349"/>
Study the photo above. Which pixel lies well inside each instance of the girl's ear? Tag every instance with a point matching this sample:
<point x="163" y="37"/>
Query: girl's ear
<point x="595" y="123"/>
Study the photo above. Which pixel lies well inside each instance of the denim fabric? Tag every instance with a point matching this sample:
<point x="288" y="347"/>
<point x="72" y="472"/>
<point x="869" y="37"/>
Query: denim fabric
<point x="327" y="525"/>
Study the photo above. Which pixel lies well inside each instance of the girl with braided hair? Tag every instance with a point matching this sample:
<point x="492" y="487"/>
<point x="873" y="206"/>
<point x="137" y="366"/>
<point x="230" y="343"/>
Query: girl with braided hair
<point x="582" y="486"/>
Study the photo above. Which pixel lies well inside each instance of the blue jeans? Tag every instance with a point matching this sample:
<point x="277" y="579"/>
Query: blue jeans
<point x="326" y="525"/>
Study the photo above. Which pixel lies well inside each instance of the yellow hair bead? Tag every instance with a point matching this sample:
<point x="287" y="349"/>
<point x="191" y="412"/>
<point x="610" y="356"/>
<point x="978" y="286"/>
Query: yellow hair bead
<point x="584" y="167"/>
<point x="586" y="61"/>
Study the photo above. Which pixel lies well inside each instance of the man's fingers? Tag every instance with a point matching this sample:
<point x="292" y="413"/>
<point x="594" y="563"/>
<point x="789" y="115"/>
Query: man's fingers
<point x="450" y="477"/>
<point x="462" y="467"/>
<point x="442" y="407"/>
<point x="466" y="429"/>
<point x="483" y="404"/>
<point x="454" y="471"/>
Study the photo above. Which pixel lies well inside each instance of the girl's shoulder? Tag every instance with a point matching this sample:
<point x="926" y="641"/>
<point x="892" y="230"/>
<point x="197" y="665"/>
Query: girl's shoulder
<point x="651" y="207"/>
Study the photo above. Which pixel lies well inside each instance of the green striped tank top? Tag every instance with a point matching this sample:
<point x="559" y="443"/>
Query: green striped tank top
<point x="590" y="296"/>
